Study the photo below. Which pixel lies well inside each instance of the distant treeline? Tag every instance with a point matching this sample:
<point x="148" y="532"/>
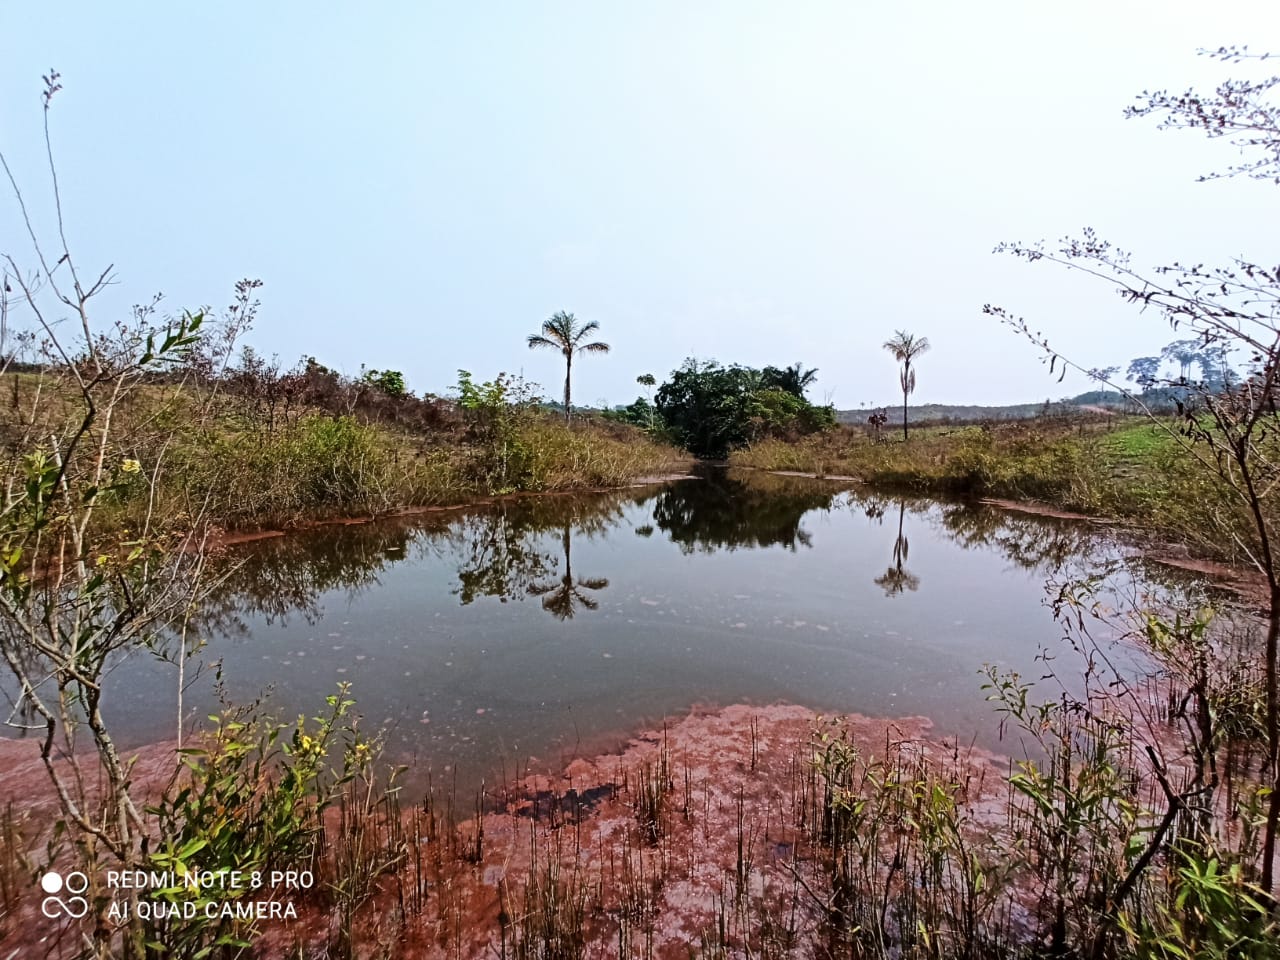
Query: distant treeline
<point x="1157" y="400"/>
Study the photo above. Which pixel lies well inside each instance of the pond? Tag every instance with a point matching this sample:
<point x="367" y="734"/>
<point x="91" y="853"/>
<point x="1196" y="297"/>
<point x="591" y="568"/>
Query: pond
<point x="546" y="626"/>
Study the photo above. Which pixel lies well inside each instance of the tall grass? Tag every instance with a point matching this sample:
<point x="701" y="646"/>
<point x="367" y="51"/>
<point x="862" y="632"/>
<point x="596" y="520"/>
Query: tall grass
<point x="218" y="450"/>
<point x="1136" y="473"/>
<point x="16" y="869"/>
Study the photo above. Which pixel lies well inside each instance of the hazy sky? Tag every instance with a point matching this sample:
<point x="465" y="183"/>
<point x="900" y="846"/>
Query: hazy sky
<point x="419" y="185"/>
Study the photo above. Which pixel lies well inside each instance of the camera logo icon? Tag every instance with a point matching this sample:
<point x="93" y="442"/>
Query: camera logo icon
<point x="74" y="883"/>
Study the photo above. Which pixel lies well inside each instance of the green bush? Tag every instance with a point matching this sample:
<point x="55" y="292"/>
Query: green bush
<point x="248" y="799"/>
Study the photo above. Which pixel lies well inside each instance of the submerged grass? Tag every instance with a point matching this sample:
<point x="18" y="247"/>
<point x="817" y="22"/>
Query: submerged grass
<point x="838" y="844"/>
<point x="16" y="869"/>
<point x="769" y="832"/>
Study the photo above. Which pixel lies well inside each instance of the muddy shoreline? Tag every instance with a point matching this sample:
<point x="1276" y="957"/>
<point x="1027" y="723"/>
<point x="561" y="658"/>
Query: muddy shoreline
<point x="656" y="832"/>
<point x="228" y="538"/>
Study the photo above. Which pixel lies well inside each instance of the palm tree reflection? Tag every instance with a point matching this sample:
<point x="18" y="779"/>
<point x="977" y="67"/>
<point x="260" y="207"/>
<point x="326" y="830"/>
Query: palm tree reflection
<point x="896" y="578"/>
<point x="561" y="597"/>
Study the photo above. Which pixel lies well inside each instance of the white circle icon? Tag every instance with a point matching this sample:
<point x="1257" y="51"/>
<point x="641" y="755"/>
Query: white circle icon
<point x="51" y="882"/>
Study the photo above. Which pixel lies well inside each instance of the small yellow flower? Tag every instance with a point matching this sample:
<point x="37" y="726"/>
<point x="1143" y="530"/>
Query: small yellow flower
<point x="130" y="466"/>
<point x="102" y="560"/>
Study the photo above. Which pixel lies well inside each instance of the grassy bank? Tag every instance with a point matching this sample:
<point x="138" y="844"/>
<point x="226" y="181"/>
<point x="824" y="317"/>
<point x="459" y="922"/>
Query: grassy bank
<point x="187" y="453"/>
<point x="1129" y="469"/>
<point x="322" y="466"/>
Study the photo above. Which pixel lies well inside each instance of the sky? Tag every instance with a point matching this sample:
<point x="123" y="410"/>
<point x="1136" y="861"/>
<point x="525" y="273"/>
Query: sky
<point x="420" y="185"/>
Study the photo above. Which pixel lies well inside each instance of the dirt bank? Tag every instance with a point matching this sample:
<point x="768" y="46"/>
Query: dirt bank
<point x="226" y="538"/>
<point x="642" y="846"/>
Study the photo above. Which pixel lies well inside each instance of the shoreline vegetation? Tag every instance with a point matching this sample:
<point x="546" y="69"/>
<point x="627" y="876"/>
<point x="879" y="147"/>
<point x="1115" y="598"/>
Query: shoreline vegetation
<point x="1139" y="818"/>
<point x="743" y="830"/>
<point x="1131" y="471"/>
<point x="733" y="831"/>
<point x="706" y="833"/>
<point x="222" y="455"/>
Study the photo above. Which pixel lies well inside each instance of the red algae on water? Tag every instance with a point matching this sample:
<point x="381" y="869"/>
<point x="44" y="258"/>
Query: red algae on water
<point x="700" y="832"/>
<point x="677" y="837"/>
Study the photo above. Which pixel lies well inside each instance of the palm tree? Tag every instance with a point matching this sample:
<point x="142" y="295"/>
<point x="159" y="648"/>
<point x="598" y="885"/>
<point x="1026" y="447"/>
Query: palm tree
<point x="905" y="347"/>
<point x="563" y="332"/>
<point x="794" y="379"/>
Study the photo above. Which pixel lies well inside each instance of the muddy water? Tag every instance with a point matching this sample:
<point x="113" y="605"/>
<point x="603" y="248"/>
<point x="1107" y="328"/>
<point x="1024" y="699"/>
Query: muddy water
<point x="543" y="627"/>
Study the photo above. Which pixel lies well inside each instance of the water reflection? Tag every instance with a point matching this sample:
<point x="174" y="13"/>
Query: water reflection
<point x="1030" y="541"/>
<point x="498" y="555"/>
<point x="560" y="598"/>
<point x="524" y="548"/>
<point x="504" y="553"/>
<point x="501" y="552"/>
<point x="732" y="509"/>
<point x="521" y="627"/>
<point x="897" y="578"/>
<point x="281" y="576"/>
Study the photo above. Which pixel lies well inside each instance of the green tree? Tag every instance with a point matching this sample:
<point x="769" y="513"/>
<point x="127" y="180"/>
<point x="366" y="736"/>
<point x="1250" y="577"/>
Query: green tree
<point x="648" y="381"/>
<point x="563" y="332"/>
<point x="794" y="379"/>
<point x="1145" y="371"/>
<point x="707" y="407"/>
<point x="390" y="382"/>
<point x="905" y="347"/>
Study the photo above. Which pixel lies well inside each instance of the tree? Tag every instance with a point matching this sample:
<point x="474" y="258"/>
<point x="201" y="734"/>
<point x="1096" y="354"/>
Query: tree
<point x="390" y="382"/>
<point x="794" y="379"/>
<point x="78" y="593"/>
<point x="705" y="406"/>
<point x="1144" y="371"/>
<point x="648" y="381"/>
<point x="709" y="409"/>
<point x="563" y="332"/>
<point x="1229" y="433"/>
<point x="877" y="421"/>
<point x="905" y="347"/>
<point x="1215" y="368"/>
<point x="1103" y="376"/>
<point x="1185" y="353"/>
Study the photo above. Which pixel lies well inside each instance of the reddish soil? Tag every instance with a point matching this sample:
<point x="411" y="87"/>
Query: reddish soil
<point x="31" y="810"/>
<point x="729" y="784"/>
<point x="25" y="782"/>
